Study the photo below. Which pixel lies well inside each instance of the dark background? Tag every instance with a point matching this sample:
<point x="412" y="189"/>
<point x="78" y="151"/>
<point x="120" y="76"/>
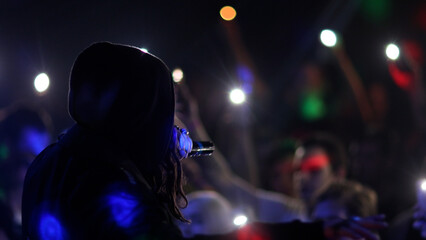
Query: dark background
<point x="46" y="36"/>
<point x="273" y="40"/>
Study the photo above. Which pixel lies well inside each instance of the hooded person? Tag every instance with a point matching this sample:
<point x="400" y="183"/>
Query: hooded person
<point x="116" y="173"/>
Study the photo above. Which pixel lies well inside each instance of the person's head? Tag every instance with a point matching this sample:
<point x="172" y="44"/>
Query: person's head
<point x="319" y="160"/>
<point x="344" y="199"/>
<point x="209" y="213"/>
<point x="280" y="168"/>
<point x="126" y="95"/>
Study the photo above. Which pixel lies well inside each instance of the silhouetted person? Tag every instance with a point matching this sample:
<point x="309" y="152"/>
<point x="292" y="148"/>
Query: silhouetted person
<point x="113" y="175"/>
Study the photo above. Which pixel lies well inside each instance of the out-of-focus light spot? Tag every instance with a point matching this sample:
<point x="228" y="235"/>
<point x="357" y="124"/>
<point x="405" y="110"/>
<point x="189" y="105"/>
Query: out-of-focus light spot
<point x="312" y="107"/>
<point x="423" y="185"/>
<point x="248" y="232"/>
<point x="246" y="76"/>
<point x="50" y="228"/>
<point x="376" y="10"/>
<point x="328" y="38"/>
<point x="177" y="75"/>
<point x="402" y="79"/>
<point x="240" y="220"/>
<point x="300" y="152"/>
<point x="392" y="51"/>
<point x="237" y="96"/>
<point x="122" y="206"/>
<point x="144" y="50"/>
<point x="228" y="13"/>
<point x="41" y="82"/>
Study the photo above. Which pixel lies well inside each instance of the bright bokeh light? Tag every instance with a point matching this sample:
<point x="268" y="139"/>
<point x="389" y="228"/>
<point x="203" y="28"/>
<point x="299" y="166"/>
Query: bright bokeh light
<point x="392" y="51"/>
<point x="237" y="96"/>
<point x="328" y="38"/>
<point x="240" y="220"/>
<point x="228" y="13"/>
<point x="423" y="185"/>
<point x="177" y="75"/>
<point x="41" y="82"/>
<point x="312" y="106"/>
<point x="144" y="50"/>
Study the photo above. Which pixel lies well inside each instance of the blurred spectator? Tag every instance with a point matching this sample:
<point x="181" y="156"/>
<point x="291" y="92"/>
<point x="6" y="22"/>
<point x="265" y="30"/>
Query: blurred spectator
<point x="209" y="213"/>
<point x="319" y="160"/>
<point x="345" y="199"/>
<point x="387" y="155"/>
<point x="265" y="206"/>
<point x="24" y="133"/>
<point x="278" y="170"/>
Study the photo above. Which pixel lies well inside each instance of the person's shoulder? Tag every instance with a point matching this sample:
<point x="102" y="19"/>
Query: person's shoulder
<point x="42" y="160"/>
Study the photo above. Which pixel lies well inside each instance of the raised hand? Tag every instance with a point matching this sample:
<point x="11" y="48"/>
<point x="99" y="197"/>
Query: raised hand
<point x="354" y="228"/>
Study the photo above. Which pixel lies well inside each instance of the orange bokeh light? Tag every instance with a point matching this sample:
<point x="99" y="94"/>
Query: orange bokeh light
<point x="228" y="13"/>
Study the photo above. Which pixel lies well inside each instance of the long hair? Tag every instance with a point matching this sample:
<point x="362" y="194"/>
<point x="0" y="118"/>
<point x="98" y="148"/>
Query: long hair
<point x="168" y="185"/>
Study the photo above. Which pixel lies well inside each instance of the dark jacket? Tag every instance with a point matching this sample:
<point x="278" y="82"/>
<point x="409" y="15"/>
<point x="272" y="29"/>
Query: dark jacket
<point x="84" y="187"/>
